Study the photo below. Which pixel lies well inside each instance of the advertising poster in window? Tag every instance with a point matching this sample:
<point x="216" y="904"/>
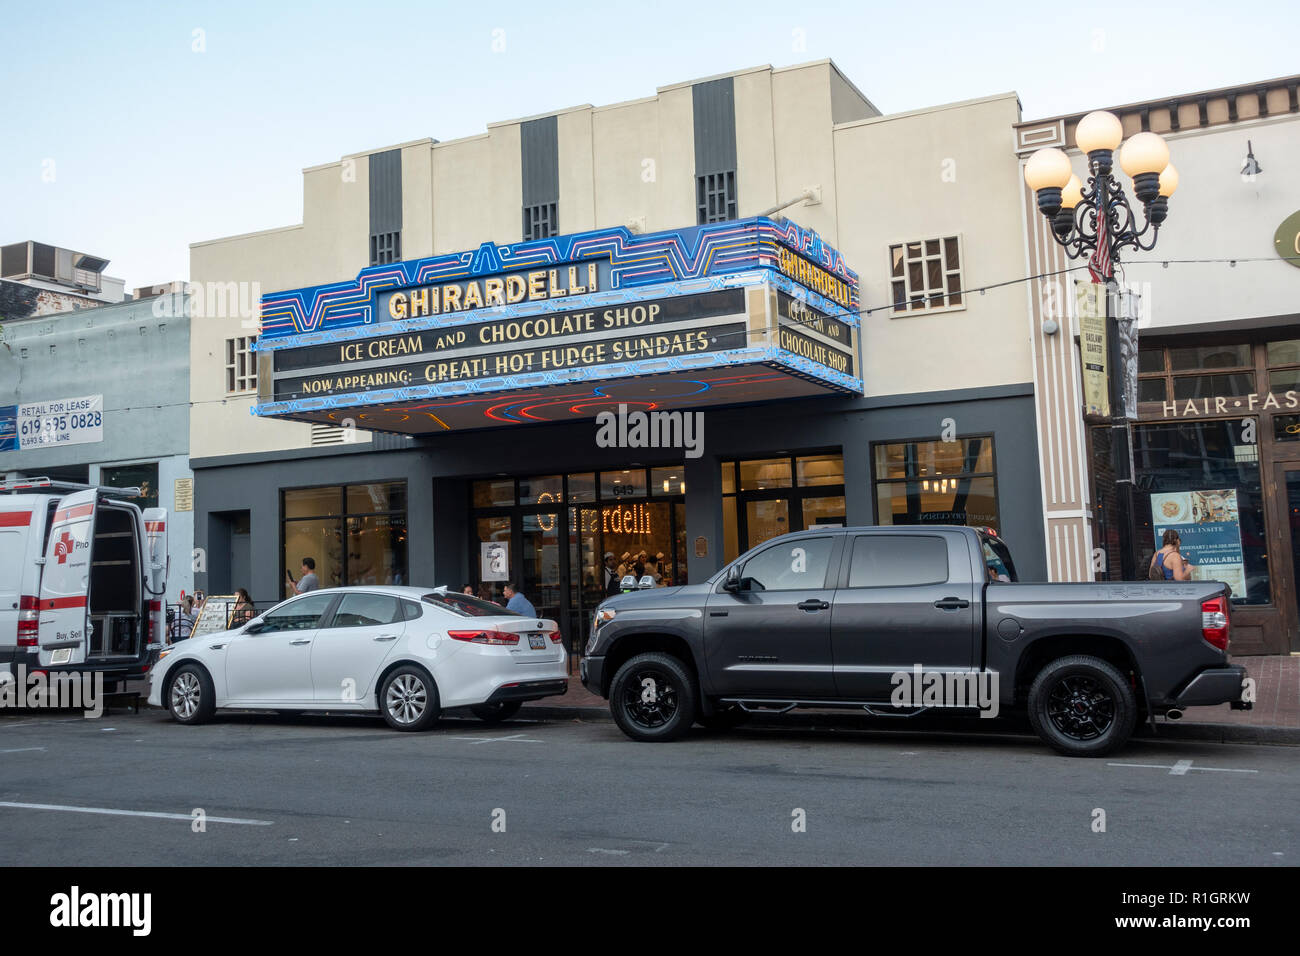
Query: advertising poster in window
<point x="1209" y="530"/>
<point x="495" y="561"/>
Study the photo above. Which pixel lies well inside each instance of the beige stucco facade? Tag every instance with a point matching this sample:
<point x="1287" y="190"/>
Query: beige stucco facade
<point x="875" y="179"/>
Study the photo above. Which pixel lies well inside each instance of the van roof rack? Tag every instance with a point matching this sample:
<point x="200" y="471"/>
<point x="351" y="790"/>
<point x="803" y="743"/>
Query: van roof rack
<point x="15" y="485"/>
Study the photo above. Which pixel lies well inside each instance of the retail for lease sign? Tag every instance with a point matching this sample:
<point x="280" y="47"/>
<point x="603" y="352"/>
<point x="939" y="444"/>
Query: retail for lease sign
<point x="1209" y="532"/>
<point x="59" y="421"/>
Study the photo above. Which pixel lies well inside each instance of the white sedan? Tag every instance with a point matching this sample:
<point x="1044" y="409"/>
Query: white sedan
<point x="409" y="653"/>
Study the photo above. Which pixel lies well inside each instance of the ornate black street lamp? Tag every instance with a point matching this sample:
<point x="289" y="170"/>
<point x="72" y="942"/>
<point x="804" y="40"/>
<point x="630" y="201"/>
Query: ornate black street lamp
<point x="1095" y="221"/>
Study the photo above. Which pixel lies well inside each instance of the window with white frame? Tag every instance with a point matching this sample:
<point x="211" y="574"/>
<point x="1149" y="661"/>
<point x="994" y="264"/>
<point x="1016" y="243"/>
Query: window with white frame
<point x="925" y="274"/>
<point x="241" y="365"/>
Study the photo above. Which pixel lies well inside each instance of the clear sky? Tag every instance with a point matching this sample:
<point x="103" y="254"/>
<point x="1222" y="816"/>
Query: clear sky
<point x="128" y="135"/>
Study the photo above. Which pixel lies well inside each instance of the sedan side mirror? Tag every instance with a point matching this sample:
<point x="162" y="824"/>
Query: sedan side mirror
<point x="254" y="626"/>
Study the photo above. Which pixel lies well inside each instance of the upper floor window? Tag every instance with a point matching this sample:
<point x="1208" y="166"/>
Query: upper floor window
<point x="541" y="221"/>
<point x="715" y="197"/>
<point x="385" y="247"/>
<point x="1194" y="372"/>
<point x="241" y="365"/>
<point x="926" y="274"/>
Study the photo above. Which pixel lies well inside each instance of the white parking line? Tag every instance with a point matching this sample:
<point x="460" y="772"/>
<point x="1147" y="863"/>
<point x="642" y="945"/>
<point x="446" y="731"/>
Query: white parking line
<point x="21" y="750"/>
<point x="1180" y="768"/>
<point x="512" y="738"/>
<point x="132" y="813"/>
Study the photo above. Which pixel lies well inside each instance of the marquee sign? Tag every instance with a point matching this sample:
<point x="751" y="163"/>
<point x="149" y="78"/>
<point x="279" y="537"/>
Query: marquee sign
<point x="560" y="328"/>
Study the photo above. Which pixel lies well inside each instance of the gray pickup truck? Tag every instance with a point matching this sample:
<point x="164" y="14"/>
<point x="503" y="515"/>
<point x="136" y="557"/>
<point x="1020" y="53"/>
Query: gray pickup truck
<point x="903" y="620"/>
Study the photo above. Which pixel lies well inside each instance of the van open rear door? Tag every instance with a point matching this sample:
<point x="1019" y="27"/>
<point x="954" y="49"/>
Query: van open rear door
<point x="65" y="582"/>
<point x="157" y="565"/>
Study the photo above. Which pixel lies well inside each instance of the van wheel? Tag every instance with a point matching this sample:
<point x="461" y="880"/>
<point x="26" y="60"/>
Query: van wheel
<point x="409" y="699"/>
<point x="652" y="698"/>
<point x="495" y="713"/>
<point x="191" y="698"/>
<point x="1082" y="706"/>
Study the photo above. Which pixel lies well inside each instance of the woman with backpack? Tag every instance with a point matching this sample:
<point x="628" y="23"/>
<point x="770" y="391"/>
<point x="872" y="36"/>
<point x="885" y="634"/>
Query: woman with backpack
<point x="1168" y="564"/>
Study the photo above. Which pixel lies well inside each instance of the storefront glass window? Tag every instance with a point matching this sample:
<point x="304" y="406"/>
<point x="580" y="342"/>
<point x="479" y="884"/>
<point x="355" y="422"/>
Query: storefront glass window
<point x="582" y="487"/>
<point x="668" y="481"/>
<point x="767" y="519"/>
<point x="356" y="534"/>
<point x="1209" y="386"/>
<point x="1210" y="356"/>
<point x="1151" y="359"/>
<point x="387" y="496"/>
<point x="820" y="470"/>
<point x="494" y="493"/>
<point x="1284" y="353"/>
<point x="312" y="502"/>
<point x="1202" y="479"/>
<point x="144" y="477"/>
<point x="823" y="511"/>
<point x="936" y="482"/>
<point x="544" y="490"/>
<point x="628" y="483"/>
<point x="765" y="474"/>
<point x="1284" y="380"/>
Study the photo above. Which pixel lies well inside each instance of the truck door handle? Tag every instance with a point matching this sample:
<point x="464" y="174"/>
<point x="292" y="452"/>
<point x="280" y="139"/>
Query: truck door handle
<point x="951" y="604"/>
<point x="305" y="640"/>
<point x="386" y="637"/>
<point x="813" y="604"/>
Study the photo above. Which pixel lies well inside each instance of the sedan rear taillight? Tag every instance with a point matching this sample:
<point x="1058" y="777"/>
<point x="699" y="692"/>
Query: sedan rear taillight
<point x="1214" y="622"/>
<point x="29" y="624"/>
<point x="484" y="637"/>
<point x="554" y="636"/>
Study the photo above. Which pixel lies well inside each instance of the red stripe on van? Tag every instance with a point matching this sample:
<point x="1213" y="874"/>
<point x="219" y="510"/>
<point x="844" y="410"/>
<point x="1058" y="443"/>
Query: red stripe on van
<point x="155" y="526"/>
<point x="15" y="519"/>
<point x="81" y="511"/>
<point x="54" y="604"/>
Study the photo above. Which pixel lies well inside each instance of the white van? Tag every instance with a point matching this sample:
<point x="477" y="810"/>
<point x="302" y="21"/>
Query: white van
<point x="82" y="579"/>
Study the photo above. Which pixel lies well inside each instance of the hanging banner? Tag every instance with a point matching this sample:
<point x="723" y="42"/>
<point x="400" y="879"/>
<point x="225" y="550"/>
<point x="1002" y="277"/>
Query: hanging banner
<point x="1091" y="301"/>
<point x="1209" y="531"/>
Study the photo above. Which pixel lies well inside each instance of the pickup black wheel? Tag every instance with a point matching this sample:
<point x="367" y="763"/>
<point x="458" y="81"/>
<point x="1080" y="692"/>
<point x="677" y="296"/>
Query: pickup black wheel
<point x="495" y="713"/>
<point x="652" y="697"/>
<point x="1082" y="706"/>
<point x="190" y="696"/>
<point x="724" y="717"/>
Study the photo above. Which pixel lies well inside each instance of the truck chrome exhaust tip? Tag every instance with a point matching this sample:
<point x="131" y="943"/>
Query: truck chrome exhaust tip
<point x="1174" y="714"/>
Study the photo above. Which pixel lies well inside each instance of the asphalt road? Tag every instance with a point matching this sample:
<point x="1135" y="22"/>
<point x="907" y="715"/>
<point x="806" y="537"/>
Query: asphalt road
<point x="328" y="791"/>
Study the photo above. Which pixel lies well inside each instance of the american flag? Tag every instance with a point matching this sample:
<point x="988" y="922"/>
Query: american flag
<point x="1100" y="266"/>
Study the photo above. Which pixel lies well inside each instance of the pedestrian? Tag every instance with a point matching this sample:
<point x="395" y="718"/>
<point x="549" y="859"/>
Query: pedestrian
<point x="1168" y="563"/>
<point x="516" y="602"/>
<point x="611" y="575"/>
<point x="243" y="612"/>
<point x="308" y="581"/>
<point x="185" y="619"/>
<point x="468" y="589"/>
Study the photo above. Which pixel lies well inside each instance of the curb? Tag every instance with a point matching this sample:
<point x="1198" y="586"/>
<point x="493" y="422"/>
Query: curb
<point x="1166" y="730"/>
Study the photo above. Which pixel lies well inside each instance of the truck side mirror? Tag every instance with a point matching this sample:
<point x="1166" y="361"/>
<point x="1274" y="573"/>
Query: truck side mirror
<point x="733" y="582"/>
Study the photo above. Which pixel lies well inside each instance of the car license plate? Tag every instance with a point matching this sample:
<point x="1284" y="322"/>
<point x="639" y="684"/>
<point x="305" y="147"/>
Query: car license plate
<point x="61" y="656"/>
<point x="537" y="642"/>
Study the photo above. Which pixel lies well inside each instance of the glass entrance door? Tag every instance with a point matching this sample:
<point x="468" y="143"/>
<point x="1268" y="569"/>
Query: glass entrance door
<point x="1288" y="485"/>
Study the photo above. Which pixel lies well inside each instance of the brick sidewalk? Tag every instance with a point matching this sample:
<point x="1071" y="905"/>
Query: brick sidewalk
<point x="1277" y="697"/>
